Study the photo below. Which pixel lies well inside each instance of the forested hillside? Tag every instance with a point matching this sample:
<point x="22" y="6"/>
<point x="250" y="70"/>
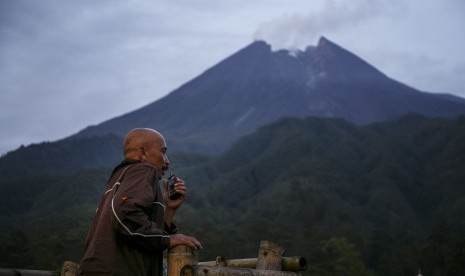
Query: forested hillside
<point x="393" y="190"/>
<point x="382" y="199"/>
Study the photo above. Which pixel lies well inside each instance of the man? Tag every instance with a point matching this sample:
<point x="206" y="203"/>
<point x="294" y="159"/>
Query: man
<point x="133" y="224"/>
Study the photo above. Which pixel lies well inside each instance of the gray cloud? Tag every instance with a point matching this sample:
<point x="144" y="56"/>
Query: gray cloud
<point x="299" y="29"/>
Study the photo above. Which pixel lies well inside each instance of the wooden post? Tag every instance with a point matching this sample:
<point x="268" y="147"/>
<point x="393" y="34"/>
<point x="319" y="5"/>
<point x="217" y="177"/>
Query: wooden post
<point x="200" y="270"/>
<point x="289" y="263"/>
<point x="270" y="256"/>
<point x="178" y="257"/>
<point x="69" y="269"/>
<point x="294" y="263"/>
<point x="239" y="263"/>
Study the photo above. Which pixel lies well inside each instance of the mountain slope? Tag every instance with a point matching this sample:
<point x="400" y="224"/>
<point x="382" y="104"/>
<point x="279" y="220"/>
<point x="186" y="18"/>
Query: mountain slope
<point x="60" y="157"/>
<point x="256" y="86"/>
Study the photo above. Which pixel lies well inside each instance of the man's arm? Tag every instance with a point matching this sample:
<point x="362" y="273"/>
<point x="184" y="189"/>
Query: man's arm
<point x="170" y="212"/>
<point x="173" y="205"/>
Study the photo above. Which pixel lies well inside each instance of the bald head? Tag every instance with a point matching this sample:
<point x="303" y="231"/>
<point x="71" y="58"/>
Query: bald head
<point x="140" y="138"/>
<point x="147" y="145"/>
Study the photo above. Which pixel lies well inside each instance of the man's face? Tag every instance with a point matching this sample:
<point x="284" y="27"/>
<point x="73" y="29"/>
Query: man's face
<point x="156" y="155"/>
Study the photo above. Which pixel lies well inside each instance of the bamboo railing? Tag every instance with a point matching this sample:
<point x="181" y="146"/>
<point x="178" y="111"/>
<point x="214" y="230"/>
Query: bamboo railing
<point x="182" y="261"/>
<point x="270" y="262"/>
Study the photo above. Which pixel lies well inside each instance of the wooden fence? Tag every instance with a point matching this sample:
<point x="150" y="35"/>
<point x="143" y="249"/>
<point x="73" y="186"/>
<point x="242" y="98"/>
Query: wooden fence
<point x="182" y="261"/>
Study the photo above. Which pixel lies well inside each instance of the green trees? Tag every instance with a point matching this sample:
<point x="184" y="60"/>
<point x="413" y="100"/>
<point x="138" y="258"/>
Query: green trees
<point x="14" y="247"/>
<point x="385" y="199"/>
<point x="339" y="257"/>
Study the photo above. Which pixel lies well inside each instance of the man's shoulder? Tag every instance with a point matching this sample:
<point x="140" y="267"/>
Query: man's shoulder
<point x="143" y="169"/>
<point x="140" y="167"/>
<point x="132" y="168"/>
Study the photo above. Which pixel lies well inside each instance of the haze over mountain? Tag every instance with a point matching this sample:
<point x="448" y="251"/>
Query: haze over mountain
<point x="256" y="86"/>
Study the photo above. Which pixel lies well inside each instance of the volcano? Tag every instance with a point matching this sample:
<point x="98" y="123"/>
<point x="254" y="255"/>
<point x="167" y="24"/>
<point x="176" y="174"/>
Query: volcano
<point x="256" y="86"/>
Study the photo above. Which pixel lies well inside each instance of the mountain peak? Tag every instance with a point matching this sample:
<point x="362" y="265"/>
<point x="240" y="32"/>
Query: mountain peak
<point x="260" y="43"/>
<point x="333" y="59"/>
<point x="323" y="42"/>
<point x="256" y="47"/>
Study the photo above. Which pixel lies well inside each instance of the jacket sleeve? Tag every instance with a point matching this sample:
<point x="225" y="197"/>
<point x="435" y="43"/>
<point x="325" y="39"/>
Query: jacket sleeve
<point x="132" y="206"/>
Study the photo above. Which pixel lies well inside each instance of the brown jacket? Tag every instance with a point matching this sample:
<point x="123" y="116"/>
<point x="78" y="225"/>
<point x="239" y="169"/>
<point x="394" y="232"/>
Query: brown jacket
<point x="128" y="233"/>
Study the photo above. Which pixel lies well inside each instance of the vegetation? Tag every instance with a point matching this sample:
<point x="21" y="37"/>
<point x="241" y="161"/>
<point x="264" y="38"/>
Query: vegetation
<point x="382" y="199"/>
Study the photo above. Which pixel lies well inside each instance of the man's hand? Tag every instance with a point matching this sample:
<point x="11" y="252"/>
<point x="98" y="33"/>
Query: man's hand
<point x="180" y="239"/>
<point x="179" y="187"/>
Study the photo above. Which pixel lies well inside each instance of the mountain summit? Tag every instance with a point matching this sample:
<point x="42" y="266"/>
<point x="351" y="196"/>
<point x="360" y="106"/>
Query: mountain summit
<point x="256" y="86"/>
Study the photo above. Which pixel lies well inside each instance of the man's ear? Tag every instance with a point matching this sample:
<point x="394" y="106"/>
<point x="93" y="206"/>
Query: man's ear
<point x="142" y="154"/>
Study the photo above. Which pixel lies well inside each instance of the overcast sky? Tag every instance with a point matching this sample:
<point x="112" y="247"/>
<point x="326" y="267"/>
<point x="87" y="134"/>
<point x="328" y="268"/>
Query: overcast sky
<point x="65" y="65"/>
